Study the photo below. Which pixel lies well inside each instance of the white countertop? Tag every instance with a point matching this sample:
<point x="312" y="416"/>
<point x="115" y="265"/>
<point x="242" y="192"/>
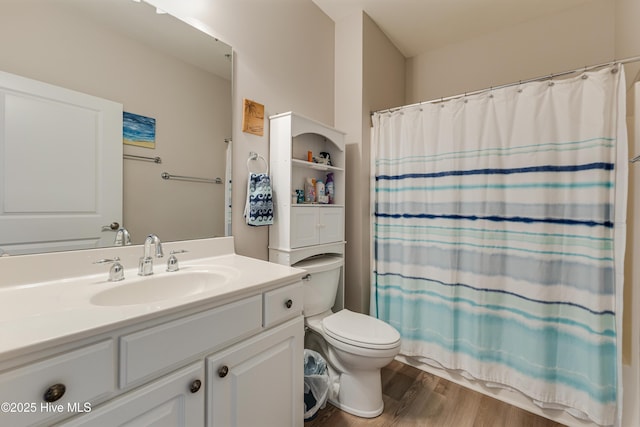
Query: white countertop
<point x="38" y="314"/>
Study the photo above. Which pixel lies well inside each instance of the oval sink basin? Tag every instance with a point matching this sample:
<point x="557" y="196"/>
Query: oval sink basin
<point x="154" y="288"/>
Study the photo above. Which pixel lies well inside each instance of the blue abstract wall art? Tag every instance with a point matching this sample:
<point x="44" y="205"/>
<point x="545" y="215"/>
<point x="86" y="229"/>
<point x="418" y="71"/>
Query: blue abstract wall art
<point x="138" y="130"/>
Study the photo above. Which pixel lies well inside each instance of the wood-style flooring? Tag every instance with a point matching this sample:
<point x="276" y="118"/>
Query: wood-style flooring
<point x="416" y="398"/>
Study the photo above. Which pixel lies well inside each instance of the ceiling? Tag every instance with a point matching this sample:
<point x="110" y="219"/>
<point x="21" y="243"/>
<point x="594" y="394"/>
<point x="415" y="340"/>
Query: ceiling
<point x="162" y="32"/>
<point x="417" y="26"/>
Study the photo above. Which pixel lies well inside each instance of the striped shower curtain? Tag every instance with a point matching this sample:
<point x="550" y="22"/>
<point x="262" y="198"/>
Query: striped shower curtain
<point x="498" y="237"/>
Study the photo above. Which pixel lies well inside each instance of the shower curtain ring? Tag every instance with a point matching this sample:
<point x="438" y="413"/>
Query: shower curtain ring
<point x="551" y="82"/>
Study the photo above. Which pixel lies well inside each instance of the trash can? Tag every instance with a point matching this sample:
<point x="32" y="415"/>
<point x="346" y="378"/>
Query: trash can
<point x="316" y="384"/>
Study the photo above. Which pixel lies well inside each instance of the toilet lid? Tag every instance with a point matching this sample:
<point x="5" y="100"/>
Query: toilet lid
<point x="360" y="330"/>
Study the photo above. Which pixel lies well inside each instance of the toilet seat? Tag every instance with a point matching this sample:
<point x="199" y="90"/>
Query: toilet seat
<point x="360" y="330"/>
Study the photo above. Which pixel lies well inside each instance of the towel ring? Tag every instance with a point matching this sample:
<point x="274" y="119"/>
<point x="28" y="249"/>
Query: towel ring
<point x="255" y="156"/>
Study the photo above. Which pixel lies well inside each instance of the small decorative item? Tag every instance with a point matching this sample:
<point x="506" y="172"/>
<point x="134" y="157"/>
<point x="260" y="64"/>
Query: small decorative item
<point x="253" y="117"/>
<point x="138" y="130"/>
<point x="324" y="158"/>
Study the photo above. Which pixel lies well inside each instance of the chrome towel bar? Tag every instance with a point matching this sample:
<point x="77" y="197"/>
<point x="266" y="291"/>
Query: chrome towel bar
<point x="143" y="158"/>
<point x="166" y="175"/>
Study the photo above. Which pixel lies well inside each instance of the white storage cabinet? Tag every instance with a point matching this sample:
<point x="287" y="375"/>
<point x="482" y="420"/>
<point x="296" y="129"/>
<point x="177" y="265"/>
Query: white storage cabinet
<point x="303" y="230"/>
<point x="299" y="225"/>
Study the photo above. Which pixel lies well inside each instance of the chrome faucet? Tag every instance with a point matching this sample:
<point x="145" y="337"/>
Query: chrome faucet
<point x="145" y="267"/>
<point x="122" y="238"/>
<point x="116" y="272"/>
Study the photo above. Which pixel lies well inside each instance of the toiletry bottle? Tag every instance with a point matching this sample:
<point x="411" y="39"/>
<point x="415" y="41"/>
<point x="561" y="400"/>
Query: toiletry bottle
<point x="330" y="188"/>
<point x="310" y="190"/>
<point x="320" y="193"/>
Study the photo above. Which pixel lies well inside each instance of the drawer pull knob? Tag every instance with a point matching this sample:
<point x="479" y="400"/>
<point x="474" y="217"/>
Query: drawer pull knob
<point x="195" y="386"/>
<point x="54" y="392"/>
<point x="223" y="371"/>
<point x="289" y="303"/>
<point x="306" y="277"/>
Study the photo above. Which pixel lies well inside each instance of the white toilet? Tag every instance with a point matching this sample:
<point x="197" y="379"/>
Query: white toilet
<point x="356" y="346"/>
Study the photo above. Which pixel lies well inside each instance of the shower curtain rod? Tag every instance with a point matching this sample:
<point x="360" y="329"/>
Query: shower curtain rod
<point x="536" y="79"/>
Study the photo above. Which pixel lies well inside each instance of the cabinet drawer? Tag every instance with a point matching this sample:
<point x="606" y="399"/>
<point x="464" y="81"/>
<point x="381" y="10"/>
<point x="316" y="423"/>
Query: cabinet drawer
<point x="282" y="304"/>
<point x="87" y="374"/>
<point x="154" y="350"/>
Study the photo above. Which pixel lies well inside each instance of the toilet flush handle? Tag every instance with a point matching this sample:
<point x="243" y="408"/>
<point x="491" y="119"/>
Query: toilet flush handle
<point x="306" y="277"/>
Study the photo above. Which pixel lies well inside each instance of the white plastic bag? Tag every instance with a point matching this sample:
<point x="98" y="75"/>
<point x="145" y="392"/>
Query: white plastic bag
<point x="316" y="383"/>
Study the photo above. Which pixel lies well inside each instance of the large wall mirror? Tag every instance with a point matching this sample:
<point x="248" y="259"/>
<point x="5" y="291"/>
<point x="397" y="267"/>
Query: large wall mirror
<point x="173" y="77"/>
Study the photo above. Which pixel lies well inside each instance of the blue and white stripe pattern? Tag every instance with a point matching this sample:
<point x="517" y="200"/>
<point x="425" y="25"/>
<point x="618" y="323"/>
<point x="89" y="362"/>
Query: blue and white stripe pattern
<point x="494" y="238"/>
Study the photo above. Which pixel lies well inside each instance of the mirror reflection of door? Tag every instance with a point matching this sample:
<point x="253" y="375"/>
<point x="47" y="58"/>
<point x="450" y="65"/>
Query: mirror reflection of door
<point x="156" y="66"/>
<point x="72" y="185"/>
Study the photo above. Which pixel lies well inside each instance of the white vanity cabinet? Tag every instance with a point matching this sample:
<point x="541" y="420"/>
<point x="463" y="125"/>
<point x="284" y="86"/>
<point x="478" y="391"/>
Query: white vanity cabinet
<point x="168" y="371"/>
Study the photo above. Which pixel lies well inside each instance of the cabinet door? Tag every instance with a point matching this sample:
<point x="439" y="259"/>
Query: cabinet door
<point x="258" y="382"/>
<point x="304" y="226"/>
<point x="175" y="400"/>
<point x="331" y="222"/>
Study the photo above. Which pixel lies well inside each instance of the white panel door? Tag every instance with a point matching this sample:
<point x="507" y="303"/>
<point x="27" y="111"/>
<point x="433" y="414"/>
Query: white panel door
<point x="60" y="167"/>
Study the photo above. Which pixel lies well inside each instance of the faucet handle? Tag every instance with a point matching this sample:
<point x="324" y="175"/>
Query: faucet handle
<point x="172" y="262"/>
<point x="123" y="238"/>
<point x="116" y="272"/>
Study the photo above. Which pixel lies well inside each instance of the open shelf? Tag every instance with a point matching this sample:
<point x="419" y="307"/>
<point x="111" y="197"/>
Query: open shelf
<point x="316" y="166"/>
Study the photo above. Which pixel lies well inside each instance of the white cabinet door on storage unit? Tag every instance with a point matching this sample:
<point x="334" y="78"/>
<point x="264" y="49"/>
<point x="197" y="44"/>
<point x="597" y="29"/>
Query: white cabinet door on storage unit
<point x="304" y="226"/>
<point x="331" y="222"/>
<point x="312" y="225"/>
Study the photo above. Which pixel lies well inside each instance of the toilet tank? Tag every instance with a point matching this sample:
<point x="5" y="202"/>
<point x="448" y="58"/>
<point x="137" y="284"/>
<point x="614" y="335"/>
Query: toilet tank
<point x="321" y="282"/>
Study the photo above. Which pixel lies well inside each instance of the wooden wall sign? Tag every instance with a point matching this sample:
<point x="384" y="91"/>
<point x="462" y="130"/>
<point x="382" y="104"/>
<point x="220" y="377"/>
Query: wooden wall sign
<point x="253" y="117"/>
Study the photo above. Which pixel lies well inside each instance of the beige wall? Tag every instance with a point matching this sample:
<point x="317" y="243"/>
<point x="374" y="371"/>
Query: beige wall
<point x="627" y="37"/>
<point x="191" y="108"/>
<point x="584" y="35"/>
<point x="627" y="44"/>
<point x="369" y="74"/>
<point x="383" y="82"/>
<point x="348" y="94"/>
<point x="284" y="59"/>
